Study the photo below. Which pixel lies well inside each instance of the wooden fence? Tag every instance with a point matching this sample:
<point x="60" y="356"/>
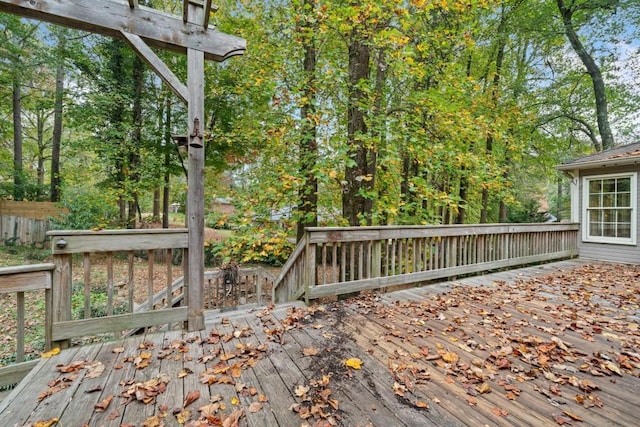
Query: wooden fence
<point x="18" y="281"/>
<point x="26" y="223"/>
<point x="335" y="261"/>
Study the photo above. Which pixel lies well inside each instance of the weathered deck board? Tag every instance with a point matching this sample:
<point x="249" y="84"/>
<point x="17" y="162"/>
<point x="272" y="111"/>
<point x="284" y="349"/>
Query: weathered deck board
<point x="393" y="334"/>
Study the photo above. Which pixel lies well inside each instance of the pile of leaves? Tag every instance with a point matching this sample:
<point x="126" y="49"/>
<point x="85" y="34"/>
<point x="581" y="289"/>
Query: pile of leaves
<point x="559" y="335"/>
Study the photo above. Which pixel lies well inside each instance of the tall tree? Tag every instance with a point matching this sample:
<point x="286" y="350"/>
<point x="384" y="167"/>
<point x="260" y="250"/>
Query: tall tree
<point x="568" y="10"/>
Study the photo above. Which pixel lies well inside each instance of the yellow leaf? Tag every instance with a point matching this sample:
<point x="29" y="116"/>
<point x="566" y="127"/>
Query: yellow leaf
<point x="354" y="363"/>
<point x="235" y="401"/>
<point x="47" y="423"/>
<point x="49" y="354"/>
<point x="421" y="404"/>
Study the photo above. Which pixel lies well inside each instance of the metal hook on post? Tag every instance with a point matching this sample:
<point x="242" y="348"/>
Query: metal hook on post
<point x="195" y="138"/>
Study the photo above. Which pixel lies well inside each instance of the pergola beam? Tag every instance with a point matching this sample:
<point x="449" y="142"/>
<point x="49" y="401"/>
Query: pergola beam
<point x="112" y="17"/>
<point x="156" y="64"/>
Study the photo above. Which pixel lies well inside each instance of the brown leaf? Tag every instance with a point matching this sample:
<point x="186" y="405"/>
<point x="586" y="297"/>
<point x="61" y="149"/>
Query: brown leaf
<point x="483" y="388"/>
<point x="421" y="404"/>
<point x="191" y="397"/>
<point x="255" y="407"/>
<point x="153" y="421"/>
<point x="499" y="411"/>
<point x="560" y="420"/>
<point x="104" y="404"/>
<point x="573" y="416"/>
<point x="233" y="420"/>
<point x="310" y="351"/>
<point x="95" y="369"/>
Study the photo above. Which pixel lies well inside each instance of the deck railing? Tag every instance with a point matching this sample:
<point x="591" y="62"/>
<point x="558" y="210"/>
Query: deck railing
<point x="128" y="276"/>
<point x="18" y="281"/>
<point x="336" y="261"/>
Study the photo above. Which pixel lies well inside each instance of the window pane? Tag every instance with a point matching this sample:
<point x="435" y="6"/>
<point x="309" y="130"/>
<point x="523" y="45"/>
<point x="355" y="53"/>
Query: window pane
<point x="623" y="200"/>
<point x="608" y="185"/>
<point x="624" y="215"/>
<point x="624" y="184"/>
<point x="595" y="186"/>
<point x="595" y="229"/>
<point x="608" y="200"/>
<point x="609" y="230"/>
<point x="594" y="201"/>
<point x="595" y="216"/>
<point x="624" y="230"/>
<point x="609" y="215"/>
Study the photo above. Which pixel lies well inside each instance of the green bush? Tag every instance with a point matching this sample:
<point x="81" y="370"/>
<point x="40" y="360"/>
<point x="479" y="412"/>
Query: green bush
<point x="87" y="210"/>
<point x="253" y="245"/>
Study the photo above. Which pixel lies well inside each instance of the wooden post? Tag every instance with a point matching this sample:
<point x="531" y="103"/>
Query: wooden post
<point x="61" y="293"/>
<point x="195" y="189"/>
<point x="309" y="268"/>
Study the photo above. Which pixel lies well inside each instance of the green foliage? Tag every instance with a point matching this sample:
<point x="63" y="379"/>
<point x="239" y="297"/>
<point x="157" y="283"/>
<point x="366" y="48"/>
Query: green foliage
<point x="87" y="210"/>
<point x="98" y="299"/>
<point x="262" y="244"/>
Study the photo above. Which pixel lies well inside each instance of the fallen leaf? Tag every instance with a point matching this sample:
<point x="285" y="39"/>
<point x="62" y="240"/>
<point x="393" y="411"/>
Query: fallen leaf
<point x="104" y="404"/>
<point x="47" y="423"/>
<point x="49" y="354"/>
<point x="310" y="351"/>
<point x="191" y="397"/>
<point x="573" y="416"/>
<point x="118" y="350"/>
<point x="499" y="411"/>
<point x="255" y="407"/>
<point x="301" y="390"/>
<point x="483" y="388"/>
<point x="421" y="404"/>
<point x="354" y="363"/>
<point x="95" y="369"/>
<point x="183" y="416"/>
<point x="560" y="420"/>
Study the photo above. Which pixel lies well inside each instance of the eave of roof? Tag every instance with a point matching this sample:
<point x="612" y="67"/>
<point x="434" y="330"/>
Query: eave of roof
<point x="596" y="164"/>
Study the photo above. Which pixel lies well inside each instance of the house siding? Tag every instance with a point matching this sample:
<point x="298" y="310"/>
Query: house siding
<point x="608" y="251"/>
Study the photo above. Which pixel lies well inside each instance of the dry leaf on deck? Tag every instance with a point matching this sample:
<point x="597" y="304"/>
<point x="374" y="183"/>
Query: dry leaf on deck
<point x="310" y="351"/>
<point x="255" y="407"/>
<point x="104" y="404"/>
<point x="191" y="397"/>
<point x="354" y="363"/>
<point x="183" y="416"/>
<point x="46" y="423"/>
<point x="49" y="354"/>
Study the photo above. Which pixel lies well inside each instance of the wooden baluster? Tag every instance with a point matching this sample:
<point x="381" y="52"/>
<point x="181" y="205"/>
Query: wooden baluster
<point x="86" y="264"/>
<point x="20" y="326"/>
<point x="109" y="283"/>
<point x="130" y="281"/>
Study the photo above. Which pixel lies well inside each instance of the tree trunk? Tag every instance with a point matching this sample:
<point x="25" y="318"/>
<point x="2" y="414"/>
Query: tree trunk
<point x="56" y="142"/>
<point x="308" y="193"/>
<point x="167" y="162"/>
<point x="18" y="173"/>
<point x="134" y="149"/>
<point x="353" y="199"/>
<point x="495" y="88"/>
<point x="593" y="70"/>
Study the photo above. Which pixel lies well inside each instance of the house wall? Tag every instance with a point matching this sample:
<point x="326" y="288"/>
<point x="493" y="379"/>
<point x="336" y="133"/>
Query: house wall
<point x="606" y="251"/>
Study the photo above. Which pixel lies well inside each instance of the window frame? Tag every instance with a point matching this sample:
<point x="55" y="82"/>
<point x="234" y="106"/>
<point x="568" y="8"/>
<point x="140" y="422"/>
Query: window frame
<point x="586" y="220"/>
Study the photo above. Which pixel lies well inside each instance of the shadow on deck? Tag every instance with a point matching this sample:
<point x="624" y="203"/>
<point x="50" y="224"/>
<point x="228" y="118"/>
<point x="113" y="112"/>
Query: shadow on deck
<point x="544" y="345"/>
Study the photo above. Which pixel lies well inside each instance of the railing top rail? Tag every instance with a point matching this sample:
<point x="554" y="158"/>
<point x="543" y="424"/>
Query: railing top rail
<point x="78" y="241"/>
<point x="116" y="232"/>
<point x="19" y="269"/>
<point x="349" y="234"/>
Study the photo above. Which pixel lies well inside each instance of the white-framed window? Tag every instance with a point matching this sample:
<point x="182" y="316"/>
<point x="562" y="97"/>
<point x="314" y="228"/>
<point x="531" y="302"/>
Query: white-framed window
<point x="609" y="208"/>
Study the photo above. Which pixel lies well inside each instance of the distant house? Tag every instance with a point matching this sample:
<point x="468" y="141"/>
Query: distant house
<point x="604" y="200"/>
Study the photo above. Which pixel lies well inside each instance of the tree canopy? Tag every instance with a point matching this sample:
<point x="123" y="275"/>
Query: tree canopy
<point x="341" y="112"/>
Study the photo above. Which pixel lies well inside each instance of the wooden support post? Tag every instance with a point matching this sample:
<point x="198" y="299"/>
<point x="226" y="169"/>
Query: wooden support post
<point x="195" y="190"/>
<point x="61" y="293"/>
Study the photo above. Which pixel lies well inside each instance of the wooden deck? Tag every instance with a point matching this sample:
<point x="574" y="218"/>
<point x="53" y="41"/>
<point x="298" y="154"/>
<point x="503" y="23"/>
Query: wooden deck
<point x="541" y="346"/>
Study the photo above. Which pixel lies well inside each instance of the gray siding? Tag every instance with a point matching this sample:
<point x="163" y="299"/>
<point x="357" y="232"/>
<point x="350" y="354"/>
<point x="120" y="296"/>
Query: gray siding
<point x="607" y="251"/>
